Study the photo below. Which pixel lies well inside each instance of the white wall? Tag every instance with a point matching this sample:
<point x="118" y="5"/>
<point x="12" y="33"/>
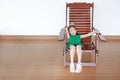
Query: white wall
<point x="47" y="17"/>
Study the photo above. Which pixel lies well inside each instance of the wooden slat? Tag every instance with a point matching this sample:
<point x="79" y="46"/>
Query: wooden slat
<point x="85" y="23"/>
<point x="83" y="30"/>
<point x="82" y="24"/>
<point x="79" y="20"/>
<point x="87" y="39"/>
<point x="79" y="10"/>
<point x="79" y="5"/>
<point x="88" y="47"/>
<point x="80" y="15"/>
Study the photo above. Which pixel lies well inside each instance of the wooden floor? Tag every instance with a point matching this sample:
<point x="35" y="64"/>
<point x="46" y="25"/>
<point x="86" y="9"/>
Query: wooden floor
<point x="43" y="60"/>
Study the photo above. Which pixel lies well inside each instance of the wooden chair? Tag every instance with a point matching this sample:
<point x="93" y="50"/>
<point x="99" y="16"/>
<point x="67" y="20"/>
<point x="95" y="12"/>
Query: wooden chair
<point x="81" y="15"/>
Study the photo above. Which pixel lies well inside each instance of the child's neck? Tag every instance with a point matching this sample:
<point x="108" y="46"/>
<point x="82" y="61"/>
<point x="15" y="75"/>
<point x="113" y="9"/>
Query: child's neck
<point x="73" y="34"/>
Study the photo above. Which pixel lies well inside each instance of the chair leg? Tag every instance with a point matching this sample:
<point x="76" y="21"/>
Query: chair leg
<point x="65" y="55"/>
<point x="96" y="55"/>
<point x="64" y="59"/>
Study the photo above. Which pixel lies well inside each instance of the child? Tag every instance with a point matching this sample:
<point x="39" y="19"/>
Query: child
<point x="75" y="45"/>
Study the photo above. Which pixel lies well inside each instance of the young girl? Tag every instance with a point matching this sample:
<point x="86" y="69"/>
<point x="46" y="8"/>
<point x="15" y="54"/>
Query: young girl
<point x="75" y="45"/>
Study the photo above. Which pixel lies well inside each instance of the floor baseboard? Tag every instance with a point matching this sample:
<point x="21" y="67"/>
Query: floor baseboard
<point x="29" y="37"/>
<point x="112" y="37"/>
<point x="54" y="37"/>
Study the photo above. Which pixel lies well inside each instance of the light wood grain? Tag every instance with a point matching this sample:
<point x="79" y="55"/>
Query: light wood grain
<point x="43" y="60"/>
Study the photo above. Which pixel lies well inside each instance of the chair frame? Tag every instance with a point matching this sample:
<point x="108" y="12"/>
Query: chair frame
<point x="94" y="42"/>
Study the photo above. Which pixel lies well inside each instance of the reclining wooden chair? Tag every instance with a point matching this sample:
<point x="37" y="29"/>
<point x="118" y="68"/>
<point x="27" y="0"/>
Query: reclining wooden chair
<point x="81" y="15"/>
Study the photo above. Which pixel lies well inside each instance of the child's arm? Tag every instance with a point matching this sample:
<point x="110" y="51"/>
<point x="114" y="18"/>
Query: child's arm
<point x="66" y="29"/>
<point x="86" y="35"/>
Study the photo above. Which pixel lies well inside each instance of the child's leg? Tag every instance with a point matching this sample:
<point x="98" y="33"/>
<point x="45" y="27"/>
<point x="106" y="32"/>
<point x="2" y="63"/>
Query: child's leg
<point x="72" y="53"/>
<point x="79" y="53"/>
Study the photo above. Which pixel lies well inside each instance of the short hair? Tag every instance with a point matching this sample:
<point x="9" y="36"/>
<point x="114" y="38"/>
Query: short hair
<point x="71" y="26"/>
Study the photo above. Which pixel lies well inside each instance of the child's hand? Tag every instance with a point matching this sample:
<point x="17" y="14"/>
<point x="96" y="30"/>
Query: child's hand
<point x="66" y="29"/>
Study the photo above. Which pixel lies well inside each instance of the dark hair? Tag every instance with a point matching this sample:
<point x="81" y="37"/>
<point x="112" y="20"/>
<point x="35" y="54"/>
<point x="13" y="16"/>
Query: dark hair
<point x="71" y="26"/>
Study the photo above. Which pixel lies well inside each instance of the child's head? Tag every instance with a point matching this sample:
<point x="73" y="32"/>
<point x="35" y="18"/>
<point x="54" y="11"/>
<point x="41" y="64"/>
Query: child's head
<point x="72" y="29"/>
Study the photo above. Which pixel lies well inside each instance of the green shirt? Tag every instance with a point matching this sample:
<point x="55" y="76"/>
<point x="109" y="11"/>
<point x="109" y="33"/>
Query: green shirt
<point x="75" y="40"/>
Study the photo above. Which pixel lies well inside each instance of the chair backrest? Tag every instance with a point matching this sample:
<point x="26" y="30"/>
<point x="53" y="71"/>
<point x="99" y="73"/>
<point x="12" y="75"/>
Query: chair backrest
<point x="81" y="14"/>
